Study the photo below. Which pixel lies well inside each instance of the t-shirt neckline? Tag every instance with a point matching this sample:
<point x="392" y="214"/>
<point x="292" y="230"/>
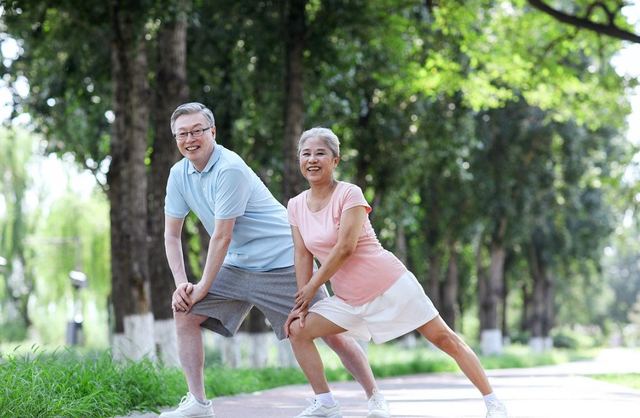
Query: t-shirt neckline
<point x="306" y="205"/>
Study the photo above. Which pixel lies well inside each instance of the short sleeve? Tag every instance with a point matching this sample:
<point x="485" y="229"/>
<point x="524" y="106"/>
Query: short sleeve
<point x="232" y="194"/>
<point x="174" y="203"/>
<point x="353" y="197"/>
<point x="292" y="212"/>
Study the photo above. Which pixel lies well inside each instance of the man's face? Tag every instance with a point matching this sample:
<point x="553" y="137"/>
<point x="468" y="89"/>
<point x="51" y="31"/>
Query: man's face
<point x="197" y="150"/>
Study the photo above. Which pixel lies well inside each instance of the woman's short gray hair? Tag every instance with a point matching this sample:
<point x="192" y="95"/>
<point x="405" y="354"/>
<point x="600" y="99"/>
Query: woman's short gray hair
<point x="327" y="135"/>
<point x="190" y="109"/>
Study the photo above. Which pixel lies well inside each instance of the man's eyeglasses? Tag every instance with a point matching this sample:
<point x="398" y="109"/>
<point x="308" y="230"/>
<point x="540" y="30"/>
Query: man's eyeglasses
<point x="196" y="133"/>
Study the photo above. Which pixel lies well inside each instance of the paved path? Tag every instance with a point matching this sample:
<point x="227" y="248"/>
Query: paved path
<point x="561" y="391"/>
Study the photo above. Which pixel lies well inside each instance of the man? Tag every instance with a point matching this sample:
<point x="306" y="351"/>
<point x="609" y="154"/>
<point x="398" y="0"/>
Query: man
<point x="249" y="261"/>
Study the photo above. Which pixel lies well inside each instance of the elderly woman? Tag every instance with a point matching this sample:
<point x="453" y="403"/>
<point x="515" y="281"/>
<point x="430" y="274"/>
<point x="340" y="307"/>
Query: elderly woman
<point x="376" y="297"/>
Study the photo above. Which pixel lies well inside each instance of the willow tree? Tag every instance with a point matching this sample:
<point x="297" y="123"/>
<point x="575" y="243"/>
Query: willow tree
<point x="89" y="70"/>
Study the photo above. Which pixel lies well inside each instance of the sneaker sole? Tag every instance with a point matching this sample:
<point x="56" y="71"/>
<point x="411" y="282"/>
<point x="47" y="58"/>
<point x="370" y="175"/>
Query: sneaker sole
<point x="376" y="415"/>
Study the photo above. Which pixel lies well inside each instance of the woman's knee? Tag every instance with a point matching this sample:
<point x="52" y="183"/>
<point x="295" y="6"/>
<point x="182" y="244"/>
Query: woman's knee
<point x="449" y="342"/>
<point x="337" y="342"/>
<point x="298" y="333"/>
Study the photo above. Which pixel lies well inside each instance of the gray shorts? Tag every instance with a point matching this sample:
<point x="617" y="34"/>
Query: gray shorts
<point x="235" y="291"/>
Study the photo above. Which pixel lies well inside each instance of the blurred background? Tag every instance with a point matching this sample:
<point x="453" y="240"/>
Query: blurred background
<point x="497" y="142"/>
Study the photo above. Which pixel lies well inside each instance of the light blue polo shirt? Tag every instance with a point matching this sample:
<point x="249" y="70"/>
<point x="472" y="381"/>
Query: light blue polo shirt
<point x="228" y="188"/>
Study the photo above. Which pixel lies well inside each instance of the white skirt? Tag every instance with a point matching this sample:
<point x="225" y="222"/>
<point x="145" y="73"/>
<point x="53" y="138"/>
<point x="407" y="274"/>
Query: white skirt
<point x="401" y="309"/>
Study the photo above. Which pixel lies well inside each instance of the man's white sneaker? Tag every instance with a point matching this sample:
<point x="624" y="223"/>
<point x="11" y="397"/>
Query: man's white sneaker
<point x="190" y="408"/>
<point x="378" y="406"/>
<point x="496" y="409"/>
<point x="317" y="409"/>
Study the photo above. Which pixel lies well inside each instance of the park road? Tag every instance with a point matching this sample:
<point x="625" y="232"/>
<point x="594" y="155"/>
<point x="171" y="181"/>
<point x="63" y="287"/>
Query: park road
<point x="562" y="391"/>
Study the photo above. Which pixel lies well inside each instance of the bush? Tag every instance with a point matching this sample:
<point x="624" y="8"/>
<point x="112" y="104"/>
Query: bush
<point x="575" y="339"/>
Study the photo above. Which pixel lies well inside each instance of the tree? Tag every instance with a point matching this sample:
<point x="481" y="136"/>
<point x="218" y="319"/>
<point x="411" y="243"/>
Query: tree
<point x="449" y="130"/>
<point x="602" y="17"/>
<point x="16" y="223"/>
<point x="173" y="90"/>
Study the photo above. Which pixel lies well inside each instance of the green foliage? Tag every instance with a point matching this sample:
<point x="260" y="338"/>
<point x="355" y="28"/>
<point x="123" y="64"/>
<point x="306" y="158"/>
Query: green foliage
<point x="631" y="380"/>
<point x="72" y="384"/>
<point x="565" y="337"/>
<point x="222" y="381"/>
<point x="17" y="220"/>
<point x="455" y="119"/>
<point x="62" y="229"/>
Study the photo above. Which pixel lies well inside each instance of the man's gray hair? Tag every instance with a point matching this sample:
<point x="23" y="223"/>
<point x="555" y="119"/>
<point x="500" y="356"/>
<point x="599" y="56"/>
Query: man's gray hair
<point x="190" y="109"/>
<point x="330" y="139"/>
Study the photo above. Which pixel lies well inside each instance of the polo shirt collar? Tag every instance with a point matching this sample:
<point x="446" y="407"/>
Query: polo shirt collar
<point x="215" y="156"/>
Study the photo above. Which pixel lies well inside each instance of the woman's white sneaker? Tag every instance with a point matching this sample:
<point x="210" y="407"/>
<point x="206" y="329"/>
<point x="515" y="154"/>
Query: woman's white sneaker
<point x="317" y="409"/>
<point x="496" y="409"/>
<point x="378" y="406"/>
<point x="190" y="408"/>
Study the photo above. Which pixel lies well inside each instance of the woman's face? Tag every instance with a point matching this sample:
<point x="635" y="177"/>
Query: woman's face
<point x="316" y="160"/>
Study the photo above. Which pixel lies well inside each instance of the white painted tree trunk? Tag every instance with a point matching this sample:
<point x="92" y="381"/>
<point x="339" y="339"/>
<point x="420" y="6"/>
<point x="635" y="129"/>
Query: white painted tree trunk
<point x="231" y="351"/>
<point x="286" y="358"/>
<point x="491" y="342"/>
<point x="537" y="344"/>
<point x="548" y="343"/>
<point x="259" y="345"/>
<point x="166" y="342"/>
<point x="138" y="339"/>
<point x="540" y="344"/>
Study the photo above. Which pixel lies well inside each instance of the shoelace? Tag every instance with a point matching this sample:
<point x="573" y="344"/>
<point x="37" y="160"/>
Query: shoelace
<point x="185" y="401"/>
<point x="315" y="404"/>
<point x="497" y="407"/>
<point x="376" y="401"/>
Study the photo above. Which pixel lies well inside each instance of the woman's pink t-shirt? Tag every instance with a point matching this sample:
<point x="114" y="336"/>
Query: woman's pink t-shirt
<point x="371" y="270"/>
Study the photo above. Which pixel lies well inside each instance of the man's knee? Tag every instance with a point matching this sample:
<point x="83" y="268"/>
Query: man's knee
<point x="186" y="320"/>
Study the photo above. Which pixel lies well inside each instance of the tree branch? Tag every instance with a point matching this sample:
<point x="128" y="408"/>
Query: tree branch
<point x="609" y="30"/>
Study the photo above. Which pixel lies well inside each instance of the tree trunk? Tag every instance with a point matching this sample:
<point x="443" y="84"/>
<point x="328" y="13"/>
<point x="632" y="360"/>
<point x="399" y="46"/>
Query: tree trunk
<point x="116" y="177"/>
<point x="491" y="335"/>
<point x="433" y="278"/>
<point x="171" y="91"/>
<point x="482" y="280"/>
<point x="450" y="289"/>
<point x="504" y="293"/>
<point x="295" y="36"/>
<point x="128" y="190"/>
<point x="550" y="319"/>
<point x="542" y="301"/>
<point x="525" y="323"/>
<point x="401" y="243"/>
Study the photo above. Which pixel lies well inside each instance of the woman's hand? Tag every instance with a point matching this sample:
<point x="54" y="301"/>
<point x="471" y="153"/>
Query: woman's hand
<point x="295" y="314"/>
<point x="304" y="296"/>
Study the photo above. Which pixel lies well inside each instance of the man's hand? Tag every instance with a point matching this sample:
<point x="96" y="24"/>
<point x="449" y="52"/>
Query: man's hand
<point x="295" y="314"/>
<point x="181" y="301"/>
<point x="198" y="293"/>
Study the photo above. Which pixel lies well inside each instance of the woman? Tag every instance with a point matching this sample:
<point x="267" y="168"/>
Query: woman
<point x="375" y="295"/>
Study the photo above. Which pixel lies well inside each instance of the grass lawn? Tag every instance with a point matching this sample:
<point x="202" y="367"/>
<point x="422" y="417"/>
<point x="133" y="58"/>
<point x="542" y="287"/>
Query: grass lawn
<point x="631" y="380"/>
<point x="74" y="383"/>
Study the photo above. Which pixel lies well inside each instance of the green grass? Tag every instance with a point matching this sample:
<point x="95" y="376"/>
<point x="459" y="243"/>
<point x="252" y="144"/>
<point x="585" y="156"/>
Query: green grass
<point x="389" y="360"/>
<point x="631" y="380"/>
<point x="67" y="383"/>
<point x="73" y="383"/>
